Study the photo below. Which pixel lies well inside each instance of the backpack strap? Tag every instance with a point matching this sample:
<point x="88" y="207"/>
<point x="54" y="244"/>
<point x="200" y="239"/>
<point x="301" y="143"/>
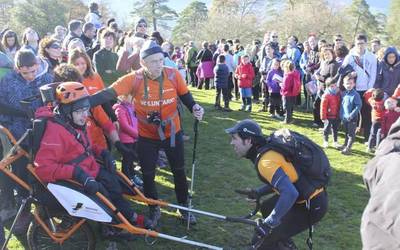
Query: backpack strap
<point x="78" y="137"/>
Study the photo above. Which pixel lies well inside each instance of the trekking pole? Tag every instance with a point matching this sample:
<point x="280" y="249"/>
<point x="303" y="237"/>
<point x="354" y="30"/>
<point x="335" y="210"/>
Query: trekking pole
<point x="196" y="132"/>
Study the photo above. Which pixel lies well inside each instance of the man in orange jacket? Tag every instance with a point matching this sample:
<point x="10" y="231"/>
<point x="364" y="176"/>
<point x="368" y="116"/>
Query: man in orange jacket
<point x="155" y="90"/>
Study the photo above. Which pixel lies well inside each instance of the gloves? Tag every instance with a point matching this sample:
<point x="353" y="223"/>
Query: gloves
<point x="108" y="161"/>
<point x="122" y="148"/>
<point x="263" y="229"/>
<point x="251" y="193"/>
<point x="90" y="185"/>
<point x="198" y="112"/>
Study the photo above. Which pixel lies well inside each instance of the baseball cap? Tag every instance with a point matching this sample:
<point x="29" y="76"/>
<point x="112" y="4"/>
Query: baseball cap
<point x="245" y="127"/>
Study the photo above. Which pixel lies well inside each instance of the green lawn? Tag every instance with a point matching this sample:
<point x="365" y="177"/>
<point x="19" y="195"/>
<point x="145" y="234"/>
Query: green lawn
<point x="219" y="172"/>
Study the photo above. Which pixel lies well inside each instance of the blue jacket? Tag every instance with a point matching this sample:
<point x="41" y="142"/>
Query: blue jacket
<point x="13" y="89"/>
<point x="388" y="76"/>
<point x="350" y="106"/>
<point x="221" y="73"/>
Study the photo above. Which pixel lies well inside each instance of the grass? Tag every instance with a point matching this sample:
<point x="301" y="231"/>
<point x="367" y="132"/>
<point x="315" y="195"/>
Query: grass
<point x="218" y="172"/>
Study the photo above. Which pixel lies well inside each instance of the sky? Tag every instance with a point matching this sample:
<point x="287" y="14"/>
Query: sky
<point x="123" y="7"/>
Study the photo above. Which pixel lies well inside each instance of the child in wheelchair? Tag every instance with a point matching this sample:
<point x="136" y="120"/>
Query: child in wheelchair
<point x="65" y="152"/>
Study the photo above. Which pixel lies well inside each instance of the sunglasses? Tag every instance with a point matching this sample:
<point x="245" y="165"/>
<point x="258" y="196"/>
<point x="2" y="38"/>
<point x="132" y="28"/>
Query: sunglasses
<point x="55" y="46"/>
<point x="142" y="26"/>
<point x="274" y="36"/>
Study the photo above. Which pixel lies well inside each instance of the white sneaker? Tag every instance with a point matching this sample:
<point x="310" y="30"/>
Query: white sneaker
<point x="336" y="144"/>
<point x="325" y="144"/>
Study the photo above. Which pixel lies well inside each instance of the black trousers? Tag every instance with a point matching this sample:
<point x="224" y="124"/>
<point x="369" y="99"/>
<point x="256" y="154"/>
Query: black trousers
<point x="275" y="105"/>
<point x="288" y="105"/>
<point x="148" y="155"/>
<point x="297" y="219"/>
<point x="128" y="159"/>
<point x="236" y="88"/>
<point x="193" y="76"/>
<point x="365" y="116"/>
<point x="231" y="86"/>
<point x="225" y="96"/>
<point x="205" y="81"/>
<point x="317" y="111"/>
<point x="113" y="192"/>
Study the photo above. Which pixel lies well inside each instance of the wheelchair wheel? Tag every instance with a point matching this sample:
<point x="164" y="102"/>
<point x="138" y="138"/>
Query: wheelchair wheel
<point x="82" y="239"/>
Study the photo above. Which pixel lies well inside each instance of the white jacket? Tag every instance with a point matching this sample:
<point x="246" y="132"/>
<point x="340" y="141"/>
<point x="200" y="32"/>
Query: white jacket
<point x="366" y="75"/>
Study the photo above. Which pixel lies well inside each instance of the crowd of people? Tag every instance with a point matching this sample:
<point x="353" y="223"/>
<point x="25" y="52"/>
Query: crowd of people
<point x="130" y="75"/>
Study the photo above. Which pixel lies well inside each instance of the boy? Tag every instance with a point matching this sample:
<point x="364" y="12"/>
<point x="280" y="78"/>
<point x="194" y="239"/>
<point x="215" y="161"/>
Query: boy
<point x="330" y="106"/>
<point x="66" y="132"/>
<point x="245" y="75"/>
<point x="105" y="60"/>
<point x="349" y="108"/>
<point x="221" y="78"/>
<point x="377" y="112"/>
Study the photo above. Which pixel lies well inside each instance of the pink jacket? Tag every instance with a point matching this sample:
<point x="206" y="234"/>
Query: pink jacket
<point x="128" y="132"/>
<point x="290" y="85"/>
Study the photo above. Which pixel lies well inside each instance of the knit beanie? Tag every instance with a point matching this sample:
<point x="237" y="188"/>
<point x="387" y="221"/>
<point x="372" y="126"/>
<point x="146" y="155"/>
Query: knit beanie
<point x="140" y="21"/>
<point x="149" y="48"/>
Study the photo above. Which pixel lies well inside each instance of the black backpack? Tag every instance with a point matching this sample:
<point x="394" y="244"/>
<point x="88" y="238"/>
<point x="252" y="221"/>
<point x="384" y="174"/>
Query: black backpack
<point x="307" y="157"/>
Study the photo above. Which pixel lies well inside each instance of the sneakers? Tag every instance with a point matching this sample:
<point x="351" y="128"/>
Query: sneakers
<point x="346" y="151"/>
<point x="336" y="145"/>
<point x="325" y="144"/>
<point x="369" y="150"/>
<point x="154" y="215"/>
<point x="183" y="215"/>
<point x="227" y="109"/>
<point x="248" y="108"/>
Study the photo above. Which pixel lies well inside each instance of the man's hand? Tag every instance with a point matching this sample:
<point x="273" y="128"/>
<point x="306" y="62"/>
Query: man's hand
<point x="263" y="229"/>
<point x="108" y="161"/>
<point x="198" y="112"/>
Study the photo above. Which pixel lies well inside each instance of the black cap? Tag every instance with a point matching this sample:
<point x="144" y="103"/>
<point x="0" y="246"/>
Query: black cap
<point x="245" y="128"/>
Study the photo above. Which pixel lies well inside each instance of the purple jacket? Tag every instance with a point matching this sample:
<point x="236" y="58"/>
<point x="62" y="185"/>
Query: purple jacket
<point x="273" y="86"/>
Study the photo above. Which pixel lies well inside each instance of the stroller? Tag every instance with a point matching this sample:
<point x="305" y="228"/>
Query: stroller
<point x="62" y="210"/>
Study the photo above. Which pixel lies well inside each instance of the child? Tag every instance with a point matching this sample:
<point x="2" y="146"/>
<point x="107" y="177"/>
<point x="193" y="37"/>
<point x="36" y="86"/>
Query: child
<point x="221" y="77"/>
<point x="390" y="116"/>
<point x="245" y="75"/>
<point x="330" y="106"/>
<point x="290" y="88"/>
<point x="128" y="134"/>
<point x="181" y="67"/>
<point x="273" y="75"/>
<point x="377" y="112"/>
<point x="349" y="108"/>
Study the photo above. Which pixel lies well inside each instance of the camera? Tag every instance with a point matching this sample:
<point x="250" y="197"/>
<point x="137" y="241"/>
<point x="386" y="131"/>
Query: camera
<point x="154" y="118"/>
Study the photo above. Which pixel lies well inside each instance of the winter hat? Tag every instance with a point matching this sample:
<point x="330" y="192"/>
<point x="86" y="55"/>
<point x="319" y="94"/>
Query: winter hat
<point x="149" y="48"/>
<point x="140" y="21"/>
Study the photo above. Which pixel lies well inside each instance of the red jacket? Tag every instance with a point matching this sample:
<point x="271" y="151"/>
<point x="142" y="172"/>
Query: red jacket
<point x="389" y="118"/>
<point x="245" y="75"/>
<point x="330" y="106"/>
<point x="289" y="81"/>
<point x="58" y="146"/>
<point x="378" y="109"/>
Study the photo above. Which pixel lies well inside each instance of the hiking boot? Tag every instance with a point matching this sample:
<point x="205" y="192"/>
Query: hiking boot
<point x="346" y="151"/>
<point x="325" y="144"/>
<point x="183" y="215"/>
<point x="154" y="215"/>
<point x="137" y="181"/>
<point x="217" y="107"/>
<point x="141" y="221"/>
<point x="248" y="108"/>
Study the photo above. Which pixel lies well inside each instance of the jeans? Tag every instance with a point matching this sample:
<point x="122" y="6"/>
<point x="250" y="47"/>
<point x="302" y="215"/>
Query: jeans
<point x="373" y="135"/>
<point x="331" y="125"/>
<point x="350" y="132"/>
<point x="288" y="104"/>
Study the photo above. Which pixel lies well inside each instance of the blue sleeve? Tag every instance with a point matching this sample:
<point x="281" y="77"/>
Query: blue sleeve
<point x="287" y="197"/>
<point x="357" y="106"/>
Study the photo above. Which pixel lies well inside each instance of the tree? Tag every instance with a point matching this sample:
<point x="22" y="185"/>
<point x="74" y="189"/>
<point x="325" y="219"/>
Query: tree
<point x="5" y="15"/>
<point x="392" y="27"/>
<point x="156" y="12"/>
<point x="190" y="23"/>
<point x="41" y="15"/>
<point x="364" y="21"/>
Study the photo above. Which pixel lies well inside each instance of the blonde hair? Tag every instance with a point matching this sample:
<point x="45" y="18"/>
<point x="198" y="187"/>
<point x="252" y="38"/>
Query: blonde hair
<point x="287" y="65"/>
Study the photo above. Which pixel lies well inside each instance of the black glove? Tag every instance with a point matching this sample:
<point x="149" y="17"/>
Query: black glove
<point x="108" y="161"/>
<point x="90" y="185"/>
<point x="251" y="193"/>
<point x="263" y="229"/>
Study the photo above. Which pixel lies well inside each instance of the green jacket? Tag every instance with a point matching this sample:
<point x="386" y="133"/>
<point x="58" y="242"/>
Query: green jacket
<point x="104" y="60"/>
<point x="190" y="58"/>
